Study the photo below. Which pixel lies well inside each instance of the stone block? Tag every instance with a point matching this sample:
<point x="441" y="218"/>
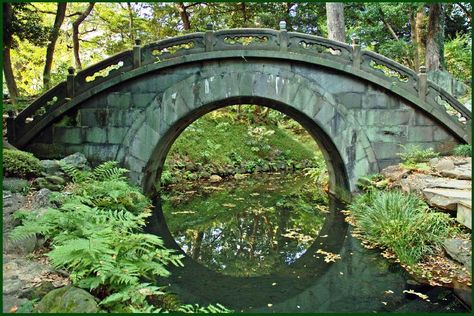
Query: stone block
<point x="67" y="135"/>
<point x="386" y="150"/>
<point x="96" y="135"/>
<point x="394" y="133"/>
<point x="142" y="100"/>
<point x="116" y="135"/>
<point x="350" y="99"/>
<point x="144" y="142"/>
<point x="420" y="133"/>
<point x="381" y="117"/>
<point x="120" y="100"/>
<point x="464" y="214"/>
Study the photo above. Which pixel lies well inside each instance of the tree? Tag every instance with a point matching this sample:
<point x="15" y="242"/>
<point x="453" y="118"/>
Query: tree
<point x="53" y="37"/>
<point x="435" y="38"/>
<point x="24" y="23"/>
<point x="335" y="21"/>
<point x="182" y="9"/>
<point x="75" y="33"/>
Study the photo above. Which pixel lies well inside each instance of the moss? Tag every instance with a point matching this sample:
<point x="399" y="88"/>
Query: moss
<point x="20" y="164"/>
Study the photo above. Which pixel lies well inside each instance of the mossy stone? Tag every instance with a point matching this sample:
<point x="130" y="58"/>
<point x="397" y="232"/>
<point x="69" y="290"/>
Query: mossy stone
<point x="15" y="185"/>
<point x="67" y="300"/>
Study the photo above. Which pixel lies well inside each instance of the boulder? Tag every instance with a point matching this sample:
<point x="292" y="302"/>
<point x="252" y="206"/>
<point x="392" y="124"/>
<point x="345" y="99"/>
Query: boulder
<point x="15" y="185"/>
<point x="415" y="183"/>
<point x="43" y="183"/>
<point x="56" y="180"/>
<point x="462" y="172"/>
<point x="21" y="247"/>
<point x="395" y="173"/>
<point x="67" y="300"/>
<point x="460" y="250"/>
<point x="41" y="199"/>
<point x="77" y="160"/>
<point x="446" y="199"/>
<point x="51" y="166"/>
<point x="443" y="164"/>
<point x="215" y="178"/>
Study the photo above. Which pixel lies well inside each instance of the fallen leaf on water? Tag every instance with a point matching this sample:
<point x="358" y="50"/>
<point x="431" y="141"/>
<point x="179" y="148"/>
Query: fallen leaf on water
<point x="388" y="292"/>
<point x="323" y="236"/>
<point x="341" y="273"/>
<point x="274" y="283"/>
<point x="328" y="256"/>
<point x="13" y="309"/>
<point x="269" y="305"/>
<point x="420" y="295"/>
<point x="384" y="303"/>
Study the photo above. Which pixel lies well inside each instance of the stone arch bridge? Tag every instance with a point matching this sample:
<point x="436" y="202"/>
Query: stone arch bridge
<point x="359" y="106"/>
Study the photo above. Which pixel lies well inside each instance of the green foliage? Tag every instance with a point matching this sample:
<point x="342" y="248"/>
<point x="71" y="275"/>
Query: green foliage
<point x="415" y="155"/>
<point x="107" y="171"/>
<point x="20" y="164"/>
<point x="96" y="236"/>
<point x="463" y="150"/>
<point x="458" y="57"/>
<point x="258" y="138"/>
<point x="400" y="222"/>
<point x="319" y="173"/>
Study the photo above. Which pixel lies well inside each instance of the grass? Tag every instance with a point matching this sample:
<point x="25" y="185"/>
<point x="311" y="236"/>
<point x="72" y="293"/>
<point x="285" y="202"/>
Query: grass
<point x="219" y="140"/>
<point x="401" y="222"/>
<point x="463" y="150"/>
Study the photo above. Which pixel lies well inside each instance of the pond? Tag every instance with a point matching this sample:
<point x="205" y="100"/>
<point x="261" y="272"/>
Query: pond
<point x="278" y="243"/>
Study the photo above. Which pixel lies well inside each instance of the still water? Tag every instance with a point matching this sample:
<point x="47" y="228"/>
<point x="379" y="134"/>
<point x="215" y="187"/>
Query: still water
<point x="278" y="243"/>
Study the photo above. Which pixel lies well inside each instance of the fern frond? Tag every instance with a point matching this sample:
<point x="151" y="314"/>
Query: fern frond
<point x="109" y="170"/>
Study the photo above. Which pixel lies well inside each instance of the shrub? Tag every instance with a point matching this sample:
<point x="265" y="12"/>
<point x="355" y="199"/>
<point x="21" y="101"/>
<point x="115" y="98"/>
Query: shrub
<point x="20" y="164"/>
<point x="402" y="223"/>
<point x="415" y="154"/>
<point x="463" y="150"/>
<point x="96" y="235"/>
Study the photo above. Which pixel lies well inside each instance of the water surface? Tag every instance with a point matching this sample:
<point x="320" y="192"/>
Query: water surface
<point x="277" y="243"/>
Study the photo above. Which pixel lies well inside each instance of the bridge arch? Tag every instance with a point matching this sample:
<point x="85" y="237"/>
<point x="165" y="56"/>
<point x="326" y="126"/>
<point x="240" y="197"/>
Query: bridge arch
<point x="359" y="115"/>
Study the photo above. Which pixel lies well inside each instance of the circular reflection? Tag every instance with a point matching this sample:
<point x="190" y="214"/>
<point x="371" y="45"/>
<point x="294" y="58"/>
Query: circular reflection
<point x="248" y="227"/>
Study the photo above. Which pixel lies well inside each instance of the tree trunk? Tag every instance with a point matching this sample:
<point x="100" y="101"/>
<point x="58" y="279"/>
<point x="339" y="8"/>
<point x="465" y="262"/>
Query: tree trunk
<point x="419" y="34"/>
<point x="7" y="62"/>
<point x="243" y="7"/>
<point x="435" y="38"/>
<point x="416" y="58"/>
<point x="184" y="15"/>
<point x="335" y="21"/>
<point x="130" y="22"/>
<point x="53" y="37"/>
<point x="387" y="25"/>
<point x="75" y="34"/>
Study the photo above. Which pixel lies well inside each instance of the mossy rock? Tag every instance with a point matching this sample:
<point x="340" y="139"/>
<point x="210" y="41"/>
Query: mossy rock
<point x="56" y="180"/>
<point x="15" y="185"/>
<point x="67" y="300"/>
<point x="43" y="183"/>
<point x="17" y="163"/>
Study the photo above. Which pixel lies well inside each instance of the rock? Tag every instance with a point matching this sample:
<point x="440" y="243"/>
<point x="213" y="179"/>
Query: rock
<point x="12" y="286"/>
<point x="460" y="250"/>
<point x="67" y="300"/>
<point x="446" y="199"/>
<point x="215" y="178"/>
<point x="239" y="176"/>
<point x="41" y="199"/>
<point x="460" y="172"/>
<point x="395" y="173"/>
<point x="443" y="164"/>
<point x="43" y="183"/>
<point x="51" y="166"/>
<point x="415" y="183"/>
<point x="21" y="247"/>
<point x="77" y="160"/>
<point x="464" y="213"/>
<point x="15" y="185"/>
<point x="38" y="292"/>
<point x="55" y="180"/>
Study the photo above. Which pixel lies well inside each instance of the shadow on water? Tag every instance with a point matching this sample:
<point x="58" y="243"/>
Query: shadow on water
<point x="361" y="281"/>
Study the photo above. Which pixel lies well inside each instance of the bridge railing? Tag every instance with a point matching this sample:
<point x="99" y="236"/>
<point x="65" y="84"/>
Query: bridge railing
<point x="235" y="39"/>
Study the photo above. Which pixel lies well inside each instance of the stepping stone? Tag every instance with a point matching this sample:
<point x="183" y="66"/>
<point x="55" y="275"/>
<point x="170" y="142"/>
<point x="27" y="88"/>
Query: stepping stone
<point x="446" y="199"/>
<point x="464" y="214"/>
<point x="461" y="172"/>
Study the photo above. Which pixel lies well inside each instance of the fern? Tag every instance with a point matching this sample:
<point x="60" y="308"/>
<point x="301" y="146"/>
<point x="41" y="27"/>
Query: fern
<point x="109" y="170"/>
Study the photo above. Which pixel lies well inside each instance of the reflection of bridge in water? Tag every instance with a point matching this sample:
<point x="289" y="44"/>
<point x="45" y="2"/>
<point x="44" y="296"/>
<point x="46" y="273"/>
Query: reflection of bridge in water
<point x="358" y="105"/>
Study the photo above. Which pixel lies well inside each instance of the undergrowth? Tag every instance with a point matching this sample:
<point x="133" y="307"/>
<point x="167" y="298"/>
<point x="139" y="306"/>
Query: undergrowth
<point x="95" y="233"/>
<point x="402" y="223"/>
<point x="17" y="163"/>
